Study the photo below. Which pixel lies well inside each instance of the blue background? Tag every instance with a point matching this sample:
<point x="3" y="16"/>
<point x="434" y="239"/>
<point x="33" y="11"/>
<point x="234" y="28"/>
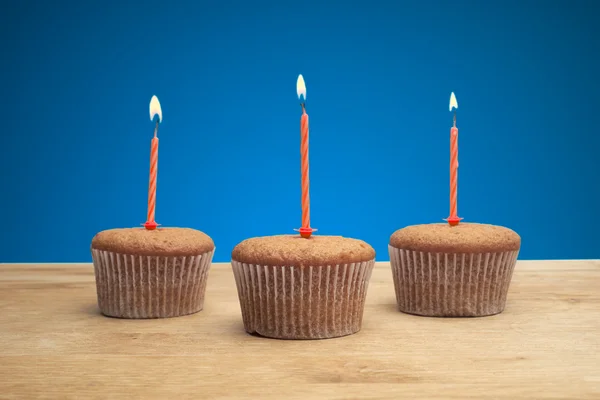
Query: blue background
<point x="77" y="77"/>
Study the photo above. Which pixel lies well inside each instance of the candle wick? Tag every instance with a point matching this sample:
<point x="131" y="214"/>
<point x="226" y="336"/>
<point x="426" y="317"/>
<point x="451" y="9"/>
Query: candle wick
<point x="454" y="119"/>
<point x="156" y="129"/>
<point x="303" y="107"/>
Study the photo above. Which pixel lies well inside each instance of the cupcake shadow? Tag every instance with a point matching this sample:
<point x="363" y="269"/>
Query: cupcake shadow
<point x="93" y="310"/>
<point x="393" y="308"/>
<point x="259" y="336"/>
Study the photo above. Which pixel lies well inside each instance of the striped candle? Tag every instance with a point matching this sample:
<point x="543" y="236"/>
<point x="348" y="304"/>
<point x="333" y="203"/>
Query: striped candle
<point x="453" y="170"/>
<point x="154" y="110"/>
<point x="304" y="168"/>
<point x="305" y="231"/>
<point x="453" y="219"/>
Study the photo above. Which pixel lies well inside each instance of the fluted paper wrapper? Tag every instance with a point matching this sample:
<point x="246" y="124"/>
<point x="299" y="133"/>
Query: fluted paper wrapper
<point x="131" y="286"/>
<point x="302" y="302"/>
<point x="451" y="285"/>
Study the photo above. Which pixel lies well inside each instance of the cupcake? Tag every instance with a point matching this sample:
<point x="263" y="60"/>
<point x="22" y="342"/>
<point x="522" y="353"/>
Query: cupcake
<point x="448" y="270"/>
<point x="291" y="287"/>
<point x="157" y="273"/>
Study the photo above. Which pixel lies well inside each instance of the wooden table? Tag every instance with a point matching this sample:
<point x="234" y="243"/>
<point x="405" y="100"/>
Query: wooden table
<point x="54" y="343"/>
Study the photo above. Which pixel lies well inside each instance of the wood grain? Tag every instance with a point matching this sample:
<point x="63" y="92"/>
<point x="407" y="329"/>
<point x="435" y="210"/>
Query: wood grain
<point x="55" y="344"/>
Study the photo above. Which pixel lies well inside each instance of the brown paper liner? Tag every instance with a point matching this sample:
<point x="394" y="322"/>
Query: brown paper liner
<point x="302" y="302"/>
<point x="451" y="285"/>
<point x="131" y="286"/>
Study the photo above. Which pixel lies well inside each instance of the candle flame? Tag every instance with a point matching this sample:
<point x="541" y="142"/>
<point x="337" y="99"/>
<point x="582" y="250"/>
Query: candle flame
<point x="155" y="109"/>
<point x="453" y="102"/>
<point x="301" y="88"/>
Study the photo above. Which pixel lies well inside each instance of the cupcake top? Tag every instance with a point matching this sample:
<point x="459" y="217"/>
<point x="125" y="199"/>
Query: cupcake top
<point x="293" y="250"/>
<point x="159" y="242"/>
<point x="461" y="238"/>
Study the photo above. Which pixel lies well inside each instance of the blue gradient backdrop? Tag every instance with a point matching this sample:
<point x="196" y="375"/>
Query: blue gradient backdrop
<point x="76" y="79"/>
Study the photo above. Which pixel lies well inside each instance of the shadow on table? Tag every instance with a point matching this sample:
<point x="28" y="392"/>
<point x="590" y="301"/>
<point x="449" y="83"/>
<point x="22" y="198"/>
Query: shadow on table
<point x="91" y="309"/>
<point x="388" y="307"/>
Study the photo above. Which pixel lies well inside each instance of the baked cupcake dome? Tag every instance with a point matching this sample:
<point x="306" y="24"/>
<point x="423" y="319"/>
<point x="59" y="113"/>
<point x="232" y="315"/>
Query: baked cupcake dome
<point x="295" y="288"/>
<point x="463" y="270"/>
<point x="151" y="273"/>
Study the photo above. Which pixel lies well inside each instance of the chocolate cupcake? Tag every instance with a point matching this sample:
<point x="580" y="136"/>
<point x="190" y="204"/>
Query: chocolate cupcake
<point x="453" y="271"/>
<point x="291" y="287"/>
<point x="158" y="273"/>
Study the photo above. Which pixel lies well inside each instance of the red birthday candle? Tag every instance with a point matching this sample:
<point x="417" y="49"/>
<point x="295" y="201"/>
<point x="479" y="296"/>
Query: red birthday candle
<point x="453" y="219"/>
<point x="305" y="231"/>
<point x="154" y="110"/>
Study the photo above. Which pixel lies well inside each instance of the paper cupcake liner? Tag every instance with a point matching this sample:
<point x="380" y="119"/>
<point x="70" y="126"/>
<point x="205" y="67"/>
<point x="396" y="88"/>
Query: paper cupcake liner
<point x="302" y="302"/>
<point x="451" y="285"/>
<point x="130" y="286"/>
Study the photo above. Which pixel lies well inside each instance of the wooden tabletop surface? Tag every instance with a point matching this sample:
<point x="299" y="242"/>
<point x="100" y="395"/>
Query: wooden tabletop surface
<point x="54" y="343"/>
